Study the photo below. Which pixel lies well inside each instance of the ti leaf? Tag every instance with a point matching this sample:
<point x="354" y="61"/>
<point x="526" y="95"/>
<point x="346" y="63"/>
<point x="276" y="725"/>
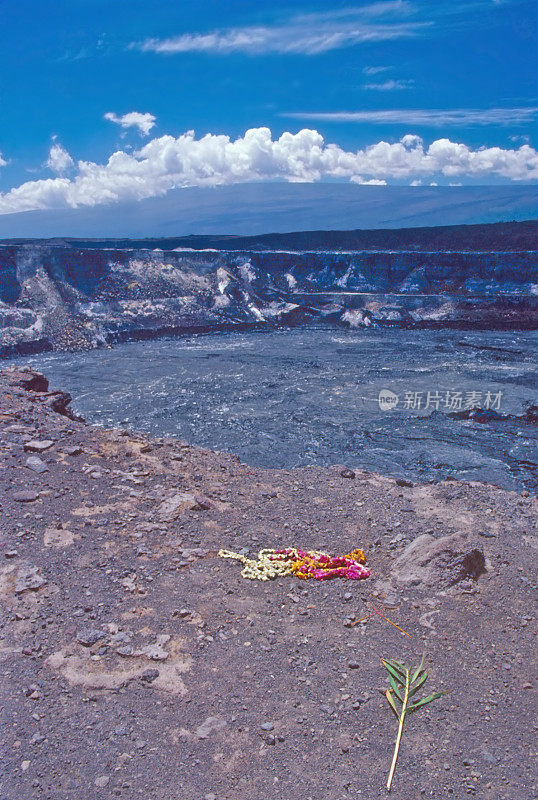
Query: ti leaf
<point x="405" y="683"/>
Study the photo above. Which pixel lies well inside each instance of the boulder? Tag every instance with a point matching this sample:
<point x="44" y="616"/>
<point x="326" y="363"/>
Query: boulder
<point x="439" y="563"/>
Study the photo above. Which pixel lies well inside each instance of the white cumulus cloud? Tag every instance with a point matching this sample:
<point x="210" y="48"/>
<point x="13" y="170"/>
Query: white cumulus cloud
<point x="3" y="161"/>
<point x="59" y="160"/>
<point x="133" y="119"/>
<point x="170" y="162"/>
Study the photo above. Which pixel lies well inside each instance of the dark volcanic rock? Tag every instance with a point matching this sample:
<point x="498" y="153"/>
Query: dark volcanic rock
<point x="28" y="379"/>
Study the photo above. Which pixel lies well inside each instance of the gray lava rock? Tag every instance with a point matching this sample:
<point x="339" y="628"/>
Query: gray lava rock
<point x="28" y="578"/>
<point x="210" y="725"/>
<point x="89" y="636"/>
<point x="347" y="473"/>
<point x="439" y="563"/>
<point x="36" y="465"/>
<point x="26" y="496"/>
<point x="149" y="675"/>
<point x="38" y="445"/>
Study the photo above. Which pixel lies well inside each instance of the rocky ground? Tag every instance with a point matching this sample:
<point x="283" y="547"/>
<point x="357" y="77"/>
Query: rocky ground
<point x="135" y="662"/>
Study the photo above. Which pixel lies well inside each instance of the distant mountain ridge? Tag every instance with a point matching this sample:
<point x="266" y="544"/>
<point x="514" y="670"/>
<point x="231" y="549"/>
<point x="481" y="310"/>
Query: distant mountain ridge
<point x="497" y="236"/>
<point x="250" y="209"/>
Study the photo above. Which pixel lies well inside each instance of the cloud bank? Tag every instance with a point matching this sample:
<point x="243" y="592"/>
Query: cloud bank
<point x="134" y="119"/>
<point x="167" y="162"/>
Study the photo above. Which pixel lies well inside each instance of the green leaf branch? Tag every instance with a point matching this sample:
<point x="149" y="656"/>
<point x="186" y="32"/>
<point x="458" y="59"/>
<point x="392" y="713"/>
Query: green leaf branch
<point x="405" y="682"/>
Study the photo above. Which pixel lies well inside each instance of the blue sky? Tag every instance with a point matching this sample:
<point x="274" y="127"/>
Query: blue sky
<point x="395" y="92"/>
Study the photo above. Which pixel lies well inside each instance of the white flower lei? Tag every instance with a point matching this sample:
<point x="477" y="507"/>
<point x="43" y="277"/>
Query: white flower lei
<point x="266" y="568"/>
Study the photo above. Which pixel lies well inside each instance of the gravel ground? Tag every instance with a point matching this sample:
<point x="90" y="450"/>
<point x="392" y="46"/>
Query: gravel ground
<point x="135" y="662"/>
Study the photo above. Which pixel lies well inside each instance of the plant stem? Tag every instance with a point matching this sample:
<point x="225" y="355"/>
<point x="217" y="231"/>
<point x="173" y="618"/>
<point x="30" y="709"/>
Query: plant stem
<point x="399" y="736"/>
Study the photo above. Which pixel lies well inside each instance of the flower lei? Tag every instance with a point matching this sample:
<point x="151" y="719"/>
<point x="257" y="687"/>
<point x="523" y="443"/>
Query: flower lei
<point x="303" y="564"/>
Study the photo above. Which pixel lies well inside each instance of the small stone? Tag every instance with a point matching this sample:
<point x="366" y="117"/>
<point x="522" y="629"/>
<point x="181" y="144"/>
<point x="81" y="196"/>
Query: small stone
<point x="36" y="465"/>
<point x="347" y="597"/>
<point x="102" y="781"/>
<point x="89" y="636"/>
<point x="156" y="651"/>
<point x="149" y="675"/>
<point x="354" y="665"/>
<point x="26" y="497"/>
<point x="347" y="473"/>
<point x="267" y="726"/>
<point x="25" y="765"/>
<point x="486" y="534"/>
<point x="201" y="503"/>
<point x="210" y="725"/>
<point x="404" y="482"/>
<point x="73" y="451"/>
<point x="38" y="445"/>
<point x="11" y="553"/>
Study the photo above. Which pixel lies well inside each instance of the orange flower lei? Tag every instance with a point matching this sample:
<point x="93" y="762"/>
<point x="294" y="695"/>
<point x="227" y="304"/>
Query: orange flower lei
<point x="323" y="566"/>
